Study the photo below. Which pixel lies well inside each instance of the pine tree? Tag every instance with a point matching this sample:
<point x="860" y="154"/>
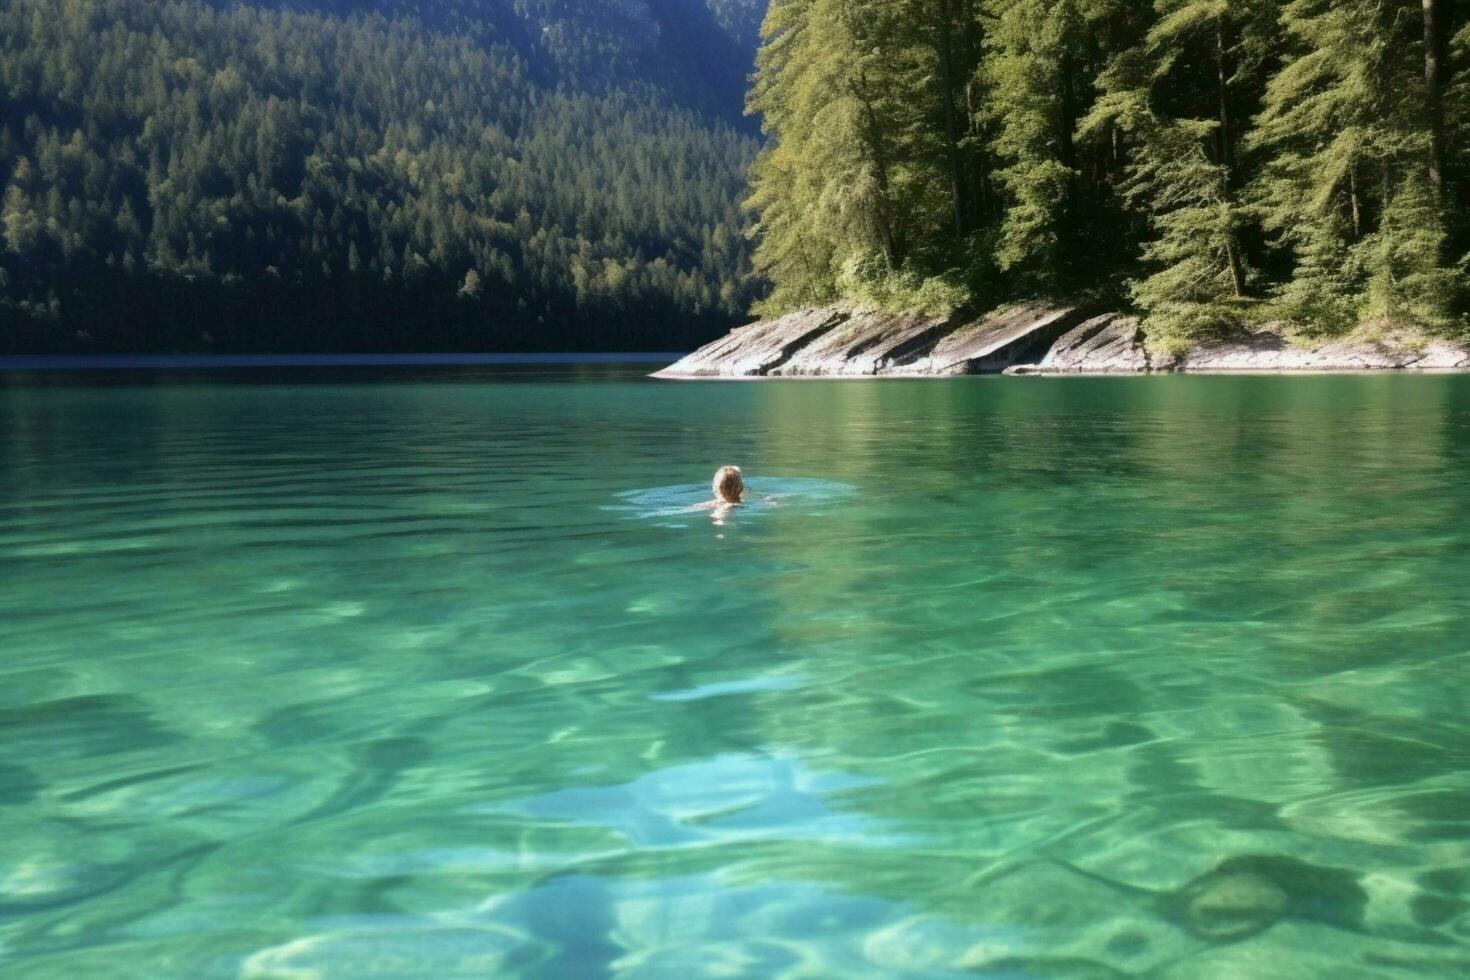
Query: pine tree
<point x="1177" y="98"/>
<point x="1457" y="139"/>
<point x="1344" y="127"/>
<point x="822" y="187"/>
<point x="1030" y="101"/>
<point x="471" y="287"/>
<point x="861" y="188"/>
<point x="21" y="222"/>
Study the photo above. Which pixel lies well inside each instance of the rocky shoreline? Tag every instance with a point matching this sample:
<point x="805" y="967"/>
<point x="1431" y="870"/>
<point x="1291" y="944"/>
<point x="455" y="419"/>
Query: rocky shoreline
<point x="843" y="341"/>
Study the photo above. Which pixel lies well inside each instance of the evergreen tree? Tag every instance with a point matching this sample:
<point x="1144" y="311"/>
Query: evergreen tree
<point x="1345" y="127"/>
<point x="21" y="224"/>
<point x="1180" y="98"/>
<point x="1091" y="140"/>
<point x="1029" y="102"/>
<point x="825" y="185"/>
<point x="863" y="187"/>
<point x="1037" y="79"/>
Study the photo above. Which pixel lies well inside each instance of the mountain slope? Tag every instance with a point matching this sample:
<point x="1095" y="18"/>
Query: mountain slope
<point x="189" y="176"/>
<point x="699" y="54"/>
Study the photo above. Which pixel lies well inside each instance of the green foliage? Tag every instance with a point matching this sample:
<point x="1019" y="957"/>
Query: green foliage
<point x="874" y="285"/>
<point x="1216" y="162"/>
<point x="1193" y="256"/>
<point x="1179" y="97"/>
<point x="1028" y="106"/>
<point x="859" y="175"/>
<point x="1344" y="185"/>
<point x="1407" y="278"/>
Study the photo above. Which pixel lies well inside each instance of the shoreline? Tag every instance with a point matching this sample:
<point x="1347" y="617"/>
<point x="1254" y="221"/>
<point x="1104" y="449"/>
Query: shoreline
<point x="174" y="362"/>
<point x="1064" y="375"/>
<point x="1033" y="340"/>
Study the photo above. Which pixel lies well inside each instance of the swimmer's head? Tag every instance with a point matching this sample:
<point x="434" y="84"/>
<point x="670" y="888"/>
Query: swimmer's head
<point x="728" y="485"/>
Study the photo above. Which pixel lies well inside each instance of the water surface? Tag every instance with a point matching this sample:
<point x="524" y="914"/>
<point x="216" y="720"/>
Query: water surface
<point x="431" y="673"/>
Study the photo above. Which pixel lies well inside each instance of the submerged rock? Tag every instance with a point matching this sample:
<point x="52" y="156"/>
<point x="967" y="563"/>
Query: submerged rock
<point x="1228" y="906"/>
<point x="1247" y="894"/>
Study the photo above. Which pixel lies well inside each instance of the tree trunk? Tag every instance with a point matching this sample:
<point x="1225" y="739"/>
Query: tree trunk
<point x="1066" y="152"/>
<point x="887" y="240"/>
<point x="1357" y="205"/>
<point x="951" y="124"/>
<point x="1434" y="58"/>
<point x="1227" y="157"/>
<point x="971" y="163"/>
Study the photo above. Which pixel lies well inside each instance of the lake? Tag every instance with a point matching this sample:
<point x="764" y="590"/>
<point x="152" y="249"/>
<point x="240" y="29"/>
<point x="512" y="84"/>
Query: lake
<point x="432" y="672"/>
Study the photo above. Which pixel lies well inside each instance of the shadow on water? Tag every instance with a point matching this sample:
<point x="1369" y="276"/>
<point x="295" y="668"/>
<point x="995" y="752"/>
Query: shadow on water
<point x="87" y="726"/>
<point x="1237" y="899"/>
<point x="17" y="785"/>
<point x="1244" y="895"/>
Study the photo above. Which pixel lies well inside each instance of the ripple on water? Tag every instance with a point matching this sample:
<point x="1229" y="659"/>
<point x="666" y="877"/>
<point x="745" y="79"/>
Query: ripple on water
<point x="91" y="725"/>
<point x="703" y="925"/>
<point x="677" y="505"/>
<point x="1095" y="679"/>
<point x="18" y="785"/>
<point x="400" y="947"/>
<point x="50" y="864"/>
<point x="729" y="799"/>
<point x="717" y="689"/>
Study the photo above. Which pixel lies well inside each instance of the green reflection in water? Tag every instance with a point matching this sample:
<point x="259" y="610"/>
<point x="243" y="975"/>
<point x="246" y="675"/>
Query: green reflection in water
<point x="409" y="678"/>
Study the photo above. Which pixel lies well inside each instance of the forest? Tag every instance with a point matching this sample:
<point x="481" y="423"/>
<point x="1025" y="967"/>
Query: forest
<point x="618" y="174"/>
<point x="1206" y="163"/>
<point x="337" y="176"/>
<point x="696" y="53"/>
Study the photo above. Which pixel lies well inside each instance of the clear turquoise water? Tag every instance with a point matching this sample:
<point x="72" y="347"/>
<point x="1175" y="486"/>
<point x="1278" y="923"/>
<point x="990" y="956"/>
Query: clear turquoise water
<point x="429" y="675"/>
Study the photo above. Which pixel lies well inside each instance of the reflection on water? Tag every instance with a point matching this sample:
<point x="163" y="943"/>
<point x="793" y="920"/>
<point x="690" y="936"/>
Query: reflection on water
<point x="1087" y="678"/>
<point x="723" y="688"/>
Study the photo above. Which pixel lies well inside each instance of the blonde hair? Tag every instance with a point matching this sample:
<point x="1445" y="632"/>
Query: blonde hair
<point x="728" y="485"/>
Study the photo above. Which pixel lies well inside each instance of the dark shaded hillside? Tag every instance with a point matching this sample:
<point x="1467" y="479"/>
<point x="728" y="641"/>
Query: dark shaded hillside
<point x="698" y="53"/>
<point x="186" y="177"/>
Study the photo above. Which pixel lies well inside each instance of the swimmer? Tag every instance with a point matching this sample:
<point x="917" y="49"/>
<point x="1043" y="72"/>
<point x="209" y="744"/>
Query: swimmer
<point x="729" y="492"/>
<point x="728" y="485"/>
